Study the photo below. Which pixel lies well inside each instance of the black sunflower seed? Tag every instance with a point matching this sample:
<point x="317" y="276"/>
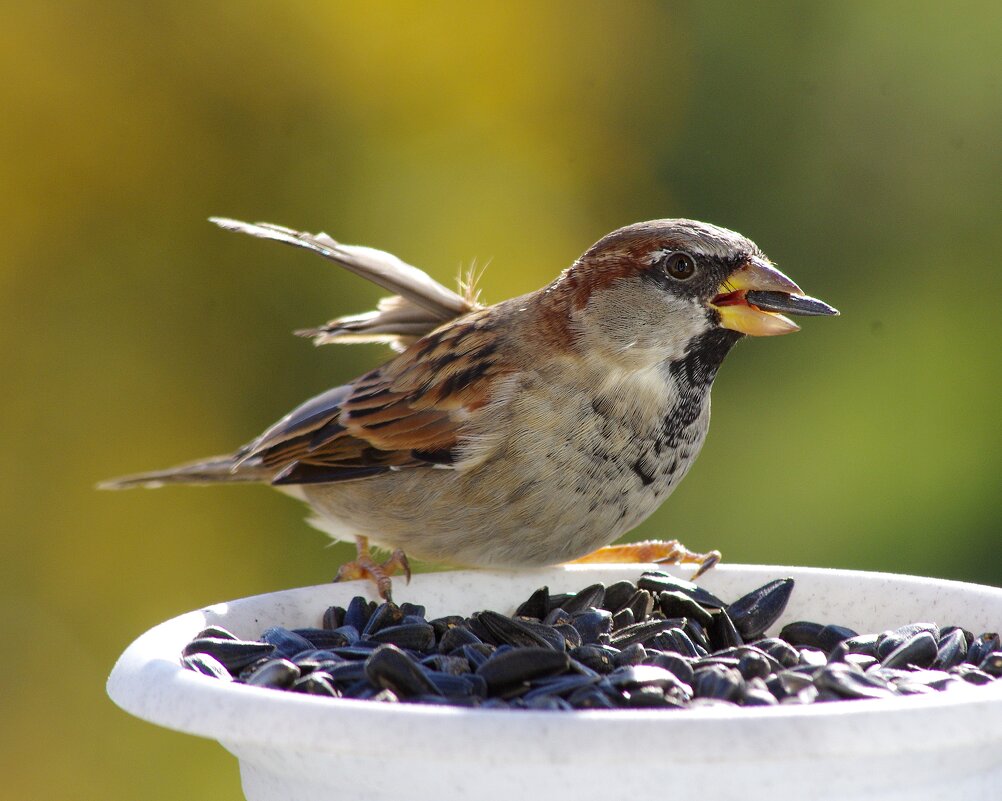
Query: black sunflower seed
<point x="992" y="664"/>
<point x="592" y="624"/>
<point x="679" y="666"/>
<point x="981" y="646"/>
<point x="951" y="650"/>
<point x="536" y="605"/>
<point x="358" y="612"/>
<point x="722" y="633"/>
<point x="643" y="632"/>
<point x="412" y="636"/>
<point x="591" y="698"/>
<point x="456" y="637"/>
<point x="624" y="617"/>
<point x="780" y="650"/>
<point x="618" y="595"/>
<point x="891" y="640"/>
<point x="333" y="617"/>
<point x="789" y="304"/>
<point x="717" y="681"/>
<point x="390" y="668"/>
<point x="755" y="664"/>
<point x="385" y="615"/>
<point x="641" y="604"/>
<point x="848" y="683"/>
<point x="279" y="673"/>
<point x="865" y="644"/>
<point x="919" y="650"/>
<point x="522" y="665"/>
<point x="590" y="596"/>
<point x="972" y="675"/>
<point x="234" y="655"/>
<point x="815" y="635"/>
<point x="657" y="582"/>
<point x="286" y="642"/>
<point x="755" y="612"/>
<point x="561" y="686"/>
<point x="325" y="638"/>
<point x="206" y="665"/>
<point x="594" y="657"/>
<point x="316" y="683"/>
<point x="456" y="665"/>
<point x="521" y="634"/>
<point x="673" y="603"/>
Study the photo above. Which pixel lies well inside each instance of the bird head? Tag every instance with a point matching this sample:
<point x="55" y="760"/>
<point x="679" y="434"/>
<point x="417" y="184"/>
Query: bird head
<point x="653" y="291"/>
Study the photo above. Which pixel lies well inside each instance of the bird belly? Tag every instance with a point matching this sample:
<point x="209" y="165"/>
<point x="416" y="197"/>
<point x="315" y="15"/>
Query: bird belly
<point x="555" y="489"/>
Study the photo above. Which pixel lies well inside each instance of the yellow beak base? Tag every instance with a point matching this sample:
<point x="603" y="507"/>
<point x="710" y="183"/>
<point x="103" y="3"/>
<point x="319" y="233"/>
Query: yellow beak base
<point x="737" y="315"/>
<point x="756" y="323"/>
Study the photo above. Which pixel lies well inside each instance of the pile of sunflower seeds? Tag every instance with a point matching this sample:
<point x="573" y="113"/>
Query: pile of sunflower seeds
<point x="660" y="643"/>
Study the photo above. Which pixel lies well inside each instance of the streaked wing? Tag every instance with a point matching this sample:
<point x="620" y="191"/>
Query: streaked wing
<point x="411" y="412"/>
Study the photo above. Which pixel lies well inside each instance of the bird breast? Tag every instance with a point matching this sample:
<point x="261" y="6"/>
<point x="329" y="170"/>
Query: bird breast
<point x="583" y="461"/>
<point x="607" y="454"/>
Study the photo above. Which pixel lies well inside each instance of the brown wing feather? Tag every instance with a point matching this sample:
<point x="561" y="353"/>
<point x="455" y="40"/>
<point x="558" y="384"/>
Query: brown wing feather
<point x="410" y="412"/>
<point x="418" y="306"/>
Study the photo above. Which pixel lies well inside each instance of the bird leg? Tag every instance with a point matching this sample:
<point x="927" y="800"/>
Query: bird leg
<point x="363" y="566"/>
<point x="667" y="552"/>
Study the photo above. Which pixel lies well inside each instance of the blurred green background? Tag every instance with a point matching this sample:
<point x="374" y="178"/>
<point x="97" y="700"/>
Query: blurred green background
<point x="857" y="143"/>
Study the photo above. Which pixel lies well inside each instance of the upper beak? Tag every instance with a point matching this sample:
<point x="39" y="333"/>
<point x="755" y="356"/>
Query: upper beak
<point x="751" y="297"/>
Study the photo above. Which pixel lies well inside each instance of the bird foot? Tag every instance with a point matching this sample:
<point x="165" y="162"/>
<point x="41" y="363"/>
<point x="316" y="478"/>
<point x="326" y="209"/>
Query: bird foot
<point x="363" y="566"/>
<point x="665" y="552"/>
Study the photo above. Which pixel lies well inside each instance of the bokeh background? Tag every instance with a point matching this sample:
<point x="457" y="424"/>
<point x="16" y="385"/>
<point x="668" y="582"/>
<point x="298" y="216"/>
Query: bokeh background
<point x="858" y="143"/>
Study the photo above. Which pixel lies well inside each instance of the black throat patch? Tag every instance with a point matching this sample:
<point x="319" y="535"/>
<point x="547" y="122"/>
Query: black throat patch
<point x="693" y="374"/>
<point x="703" y="357"/>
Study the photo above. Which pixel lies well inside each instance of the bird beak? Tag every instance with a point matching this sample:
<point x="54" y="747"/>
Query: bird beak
<point x="750" y="300"/>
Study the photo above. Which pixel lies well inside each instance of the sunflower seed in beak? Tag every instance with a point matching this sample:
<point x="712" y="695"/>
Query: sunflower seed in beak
<point x="789" y="304"/>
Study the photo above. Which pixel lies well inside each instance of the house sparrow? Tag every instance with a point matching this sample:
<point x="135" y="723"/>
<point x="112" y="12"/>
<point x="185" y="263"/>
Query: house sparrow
<point x="526" y="433"/>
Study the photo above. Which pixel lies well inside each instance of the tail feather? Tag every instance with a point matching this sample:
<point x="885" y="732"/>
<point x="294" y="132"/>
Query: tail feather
<point x="204" y="471"/>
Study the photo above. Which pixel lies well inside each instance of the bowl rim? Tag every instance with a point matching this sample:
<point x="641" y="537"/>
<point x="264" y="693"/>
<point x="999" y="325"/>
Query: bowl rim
<point x="149" y="682"/>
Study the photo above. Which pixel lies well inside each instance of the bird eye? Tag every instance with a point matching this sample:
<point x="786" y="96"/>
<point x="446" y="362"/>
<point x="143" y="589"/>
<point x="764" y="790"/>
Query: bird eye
<point x="680" y="266"/>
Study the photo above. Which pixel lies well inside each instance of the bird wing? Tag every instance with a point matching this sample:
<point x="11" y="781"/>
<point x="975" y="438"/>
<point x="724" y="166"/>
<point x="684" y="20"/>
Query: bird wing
<point x="410" y="412"/>
<point x="419" y="304"/>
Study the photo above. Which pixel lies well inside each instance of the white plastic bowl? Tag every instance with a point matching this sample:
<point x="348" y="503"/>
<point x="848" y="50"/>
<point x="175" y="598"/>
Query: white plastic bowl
<point x="297" y="747"/>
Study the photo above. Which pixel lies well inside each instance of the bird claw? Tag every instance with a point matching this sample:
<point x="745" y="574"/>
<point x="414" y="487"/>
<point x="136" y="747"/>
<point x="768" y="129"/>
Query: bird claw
<point x="662" y="552"/>
<point x="707" y="561"/>
<point x="363" y="566"/>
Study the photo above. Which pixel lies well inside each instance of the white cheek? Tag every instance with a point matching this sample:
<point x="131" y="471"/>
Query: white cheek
<point x="639" y="324"/>
<point x="682" y="320"/>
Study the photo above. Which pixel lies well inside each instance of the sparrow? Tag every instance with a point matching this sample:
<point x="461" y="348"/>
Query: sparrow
<point x="531" y="432"/>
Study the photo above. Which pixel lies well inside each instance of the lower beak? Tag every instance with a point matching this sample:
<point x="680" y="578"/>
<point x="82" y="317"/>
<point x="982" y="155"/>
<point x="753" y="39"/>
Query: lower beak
<point x="750" y="300"/>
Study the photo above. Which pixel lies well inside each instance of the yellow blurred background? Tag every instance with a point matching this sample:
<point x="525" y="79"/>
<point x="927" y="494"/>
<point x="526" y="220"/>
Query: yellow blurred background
<point x="857" y="143"/>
